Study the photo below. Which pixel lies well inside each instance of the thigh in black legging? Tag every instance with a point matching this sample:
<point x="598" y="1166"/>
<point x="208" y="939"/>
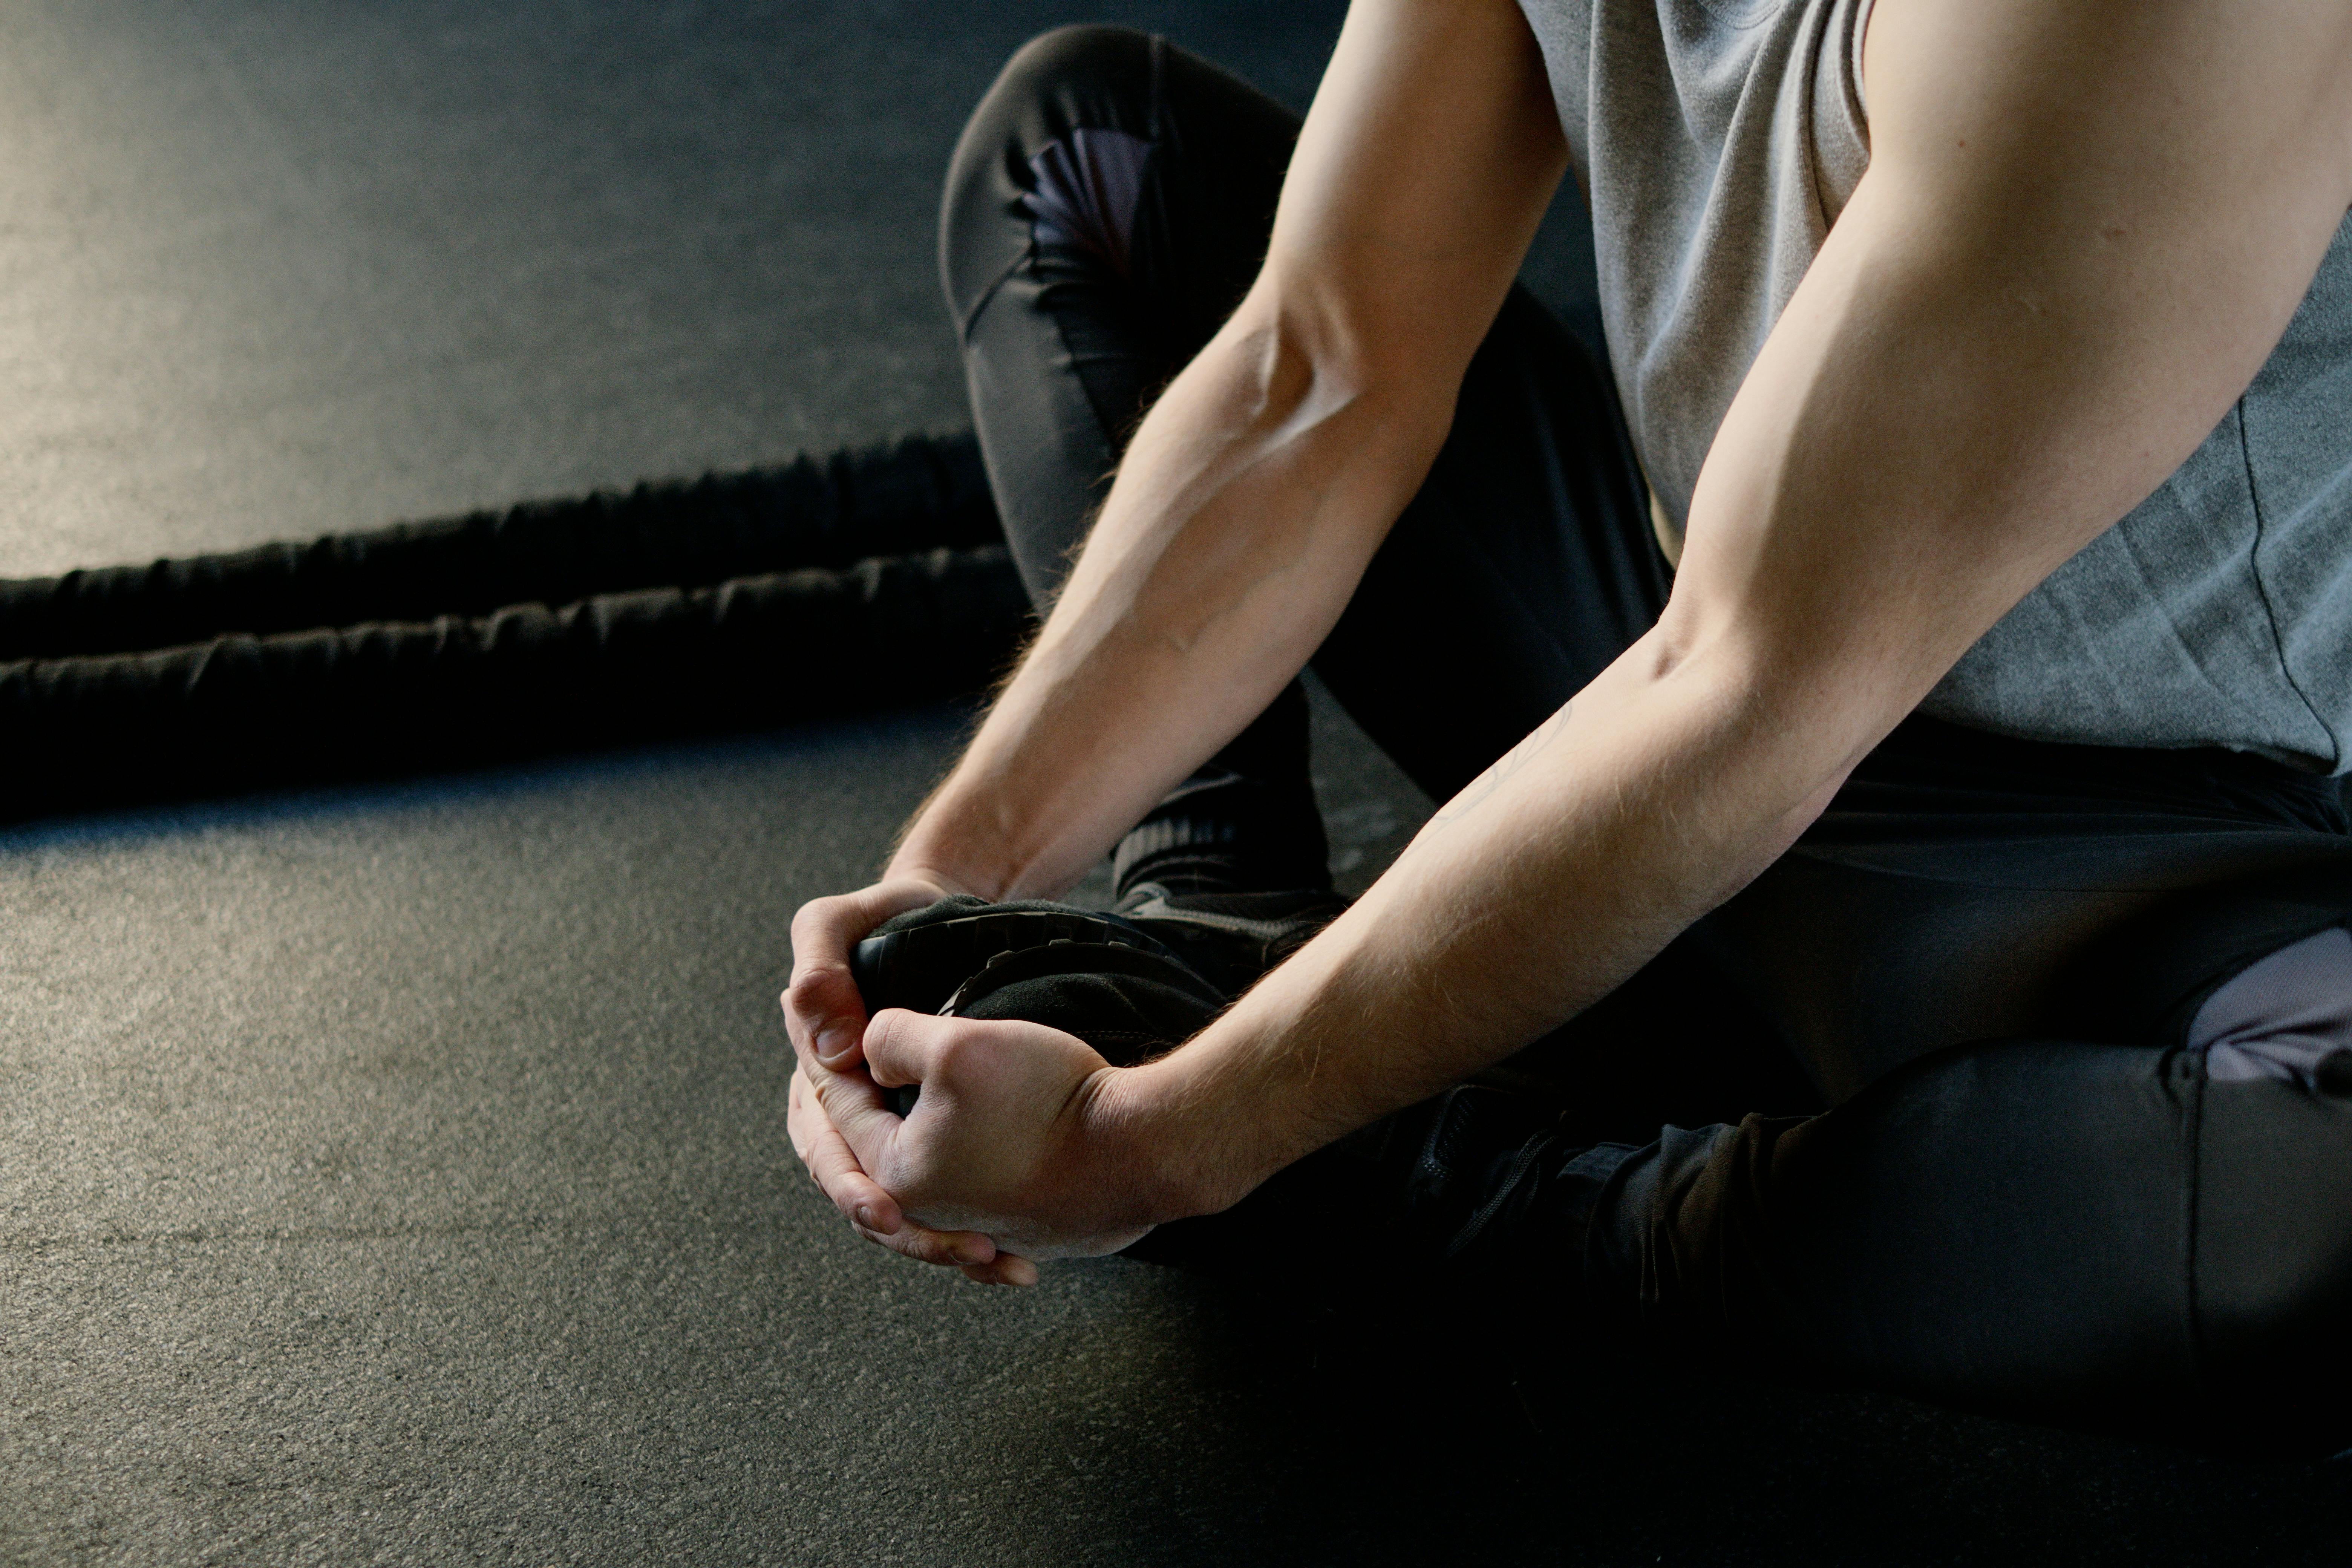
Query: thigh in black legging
<point x="2100" y="1231"/>
<point x="2106" y="1237"/>
<point x="2102" y="1236"/>
<point x="1522" y="570"/>
<point x="1107" y="209"/>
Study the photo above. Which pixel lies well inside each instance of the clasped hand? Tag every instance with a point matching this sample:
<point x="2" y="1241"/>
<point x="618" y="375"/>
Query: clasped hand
<point x="1009" y="1156"/>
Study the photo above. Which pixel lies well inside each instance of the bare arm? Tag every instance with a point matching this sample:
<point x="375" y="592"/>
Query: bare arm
<point x="1248" y="505"/>
<point x="2084" y="227"/>
<point x="1259" y="485"/>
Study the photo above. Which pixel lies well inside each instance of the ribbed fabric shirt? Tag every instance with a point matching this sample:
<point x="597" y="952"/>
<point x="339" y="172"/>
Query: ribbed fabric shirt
<point x="1717" y="140"/>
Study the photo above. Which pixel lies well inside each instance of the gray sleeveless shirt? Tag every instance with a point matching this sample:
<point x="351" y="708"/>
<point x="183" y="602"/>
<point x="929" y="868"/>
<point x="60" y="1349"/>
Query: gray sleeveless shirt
<point x="1718" y="140"/>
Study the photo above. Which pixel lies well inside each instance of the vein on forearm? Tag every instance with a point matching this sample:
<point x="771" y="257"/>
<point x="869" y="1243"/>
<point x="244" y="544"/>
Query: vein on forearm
<point x="1246" y="511"/>
<point x="1560" y="871"/>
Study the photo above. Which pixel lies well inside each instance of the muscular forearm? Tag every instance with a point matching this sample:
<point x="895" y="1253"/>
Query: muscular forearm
<point x="2084" y="228"/>
<point x="1257" y="489"/>
<point x="1649" y="799"/>
<point x="1241" y="521"/>
<point x="1994" y="357"/>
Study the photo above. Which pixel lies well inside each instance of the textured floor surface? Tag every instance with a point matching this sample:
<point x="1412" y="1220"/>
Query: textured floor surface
<point x="397" y="1174"/>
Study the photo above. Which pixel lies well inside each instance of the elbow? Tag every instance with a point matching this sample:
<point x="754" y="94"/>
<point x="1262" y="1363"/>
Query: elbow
<point x="1795" y="715"/>
<point x="1307" y="360"/>
<point x="1823" y="667"/>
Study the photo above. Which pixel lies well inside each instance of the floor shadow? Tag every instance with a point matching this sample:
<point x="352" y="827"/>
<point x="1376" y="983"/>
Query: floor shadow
<point x="1213" y="1424"/>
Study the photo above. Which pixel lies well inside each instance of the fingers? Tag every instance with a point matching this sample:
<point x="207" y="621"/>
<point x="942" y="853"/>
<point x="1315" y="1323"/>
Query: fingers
<point x="1009" y="1268"/>
<point x="854" y="1109"/>
<point x="871" y="1211"/>
<point x="860" y="1199"/>
<point x="822" y="1011"/>
<point x="874" y="1215"/>
<point x="966" y="1250"/>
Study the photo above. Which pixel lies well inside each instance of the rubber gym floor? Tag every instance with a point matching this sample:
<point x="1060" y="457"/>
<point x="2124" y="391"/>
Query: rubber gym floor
<point x="396" y="1173"/>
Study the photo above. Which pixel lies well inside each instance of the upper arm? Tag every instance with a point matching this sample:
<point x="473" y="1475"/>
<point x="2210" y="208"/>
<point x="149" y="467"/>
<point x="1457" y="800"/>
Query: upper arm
<point x="1424" y="166"/>
<point x="2085" y="225"/>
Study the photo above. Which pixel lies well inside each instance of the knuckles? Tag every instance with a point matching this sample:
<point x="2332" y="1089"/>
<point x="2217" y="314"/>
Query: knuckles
<point x="952" y="1054"/>
<point x="819" y="924"/>
<point x="902" y="1171"/>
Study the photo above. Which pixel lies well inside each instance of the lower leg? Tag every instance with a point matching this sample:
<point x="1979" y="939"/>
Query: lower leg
<point x="2013" y="1231"/>
<point x="1107" y="208"/>
<point x="1246" y="822"/>
<point x="2153" y="1240"/>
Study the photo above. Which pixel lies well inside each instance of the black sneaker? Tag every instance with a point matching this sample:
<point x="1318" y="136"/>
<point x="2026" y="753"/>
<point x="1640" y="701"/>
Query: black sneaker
<point x="1105" y="979"/>
<point x="1231" y="938"/>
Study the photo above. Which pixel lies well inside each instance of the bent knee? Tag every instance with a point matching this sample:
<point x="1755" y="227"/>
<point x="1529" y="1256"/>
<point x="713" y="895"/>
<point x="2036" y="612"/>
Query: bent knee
<point x="1082" y="77"/>
<point x="1078" y="54"/>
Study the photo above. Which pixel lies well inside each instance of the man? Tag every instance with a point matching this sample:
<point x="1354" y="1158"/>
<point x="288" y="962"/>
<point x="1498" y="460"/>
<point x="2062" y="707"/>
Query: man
<point x="1974" y="552"/>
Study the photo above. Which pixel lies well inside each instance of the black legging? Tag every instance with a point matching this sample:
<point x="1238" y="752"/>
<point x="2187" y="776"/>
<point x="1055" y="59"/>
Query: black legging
<point x="2031" y="1197"/>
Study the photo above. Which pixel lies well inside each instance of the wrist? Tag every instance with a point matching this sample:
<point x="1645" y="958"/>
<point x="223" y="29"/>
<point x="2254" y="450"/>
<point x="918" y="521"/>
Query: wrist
<point x="906" y="868"/>
<point x="932" y="861"/>
<point x="950" y="842"/>
<point x="1167" y="1148"/>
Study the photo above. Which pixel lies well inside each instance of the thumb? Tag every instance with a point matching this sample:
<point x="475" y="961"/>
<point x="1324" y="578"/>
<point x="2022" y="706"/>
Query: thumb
<point x="825" y="1014"/>
<point x="904" y="1047"/>
<point x="822" y="1011"/>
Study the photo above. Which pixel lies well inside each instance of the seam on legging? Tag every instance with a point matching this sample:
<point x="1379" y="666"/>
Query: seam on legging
<point x="2193" y="1185"/>
<point x="1156" y="54"/>
<point x="1526" y="1156"/>
<point x="1115" y="439"/>
<point x="963" y="327"/>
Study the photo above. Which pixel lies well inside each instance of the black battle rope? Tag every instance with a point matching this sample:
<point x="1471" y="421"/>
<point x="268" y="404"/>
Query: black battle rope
<point x="733" y="601"/>
<point x="914" y="494"/>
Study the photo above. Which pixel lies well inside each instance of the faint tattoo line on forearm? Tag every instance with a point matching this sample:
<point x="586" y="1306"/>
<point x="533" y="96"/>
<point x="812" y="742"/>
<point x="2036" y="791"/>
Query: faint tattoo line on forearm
<point x="1506" y="767"/>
